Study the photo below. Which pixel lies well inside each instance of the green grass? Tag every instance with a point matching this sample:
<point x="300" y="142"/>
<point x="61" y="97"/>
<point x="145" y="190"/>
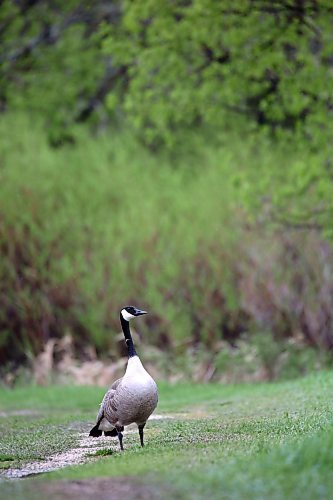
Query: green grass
<point x="244" y="441"/>
<point x="50" y="421"/>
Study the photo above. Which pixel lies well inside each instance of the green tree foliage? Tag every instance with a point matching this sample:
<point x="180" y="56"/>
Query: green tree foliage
<point x="170" y="65"/>
<point x="203" y="61"/>
<point x="51" y="61"/>
<point x="247" y="64"/>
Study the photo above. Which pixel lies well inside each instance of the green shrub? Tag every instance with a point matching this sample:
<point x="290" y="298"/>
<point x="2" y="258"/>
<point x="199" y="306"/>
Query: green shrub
<point x="88" y="228"/>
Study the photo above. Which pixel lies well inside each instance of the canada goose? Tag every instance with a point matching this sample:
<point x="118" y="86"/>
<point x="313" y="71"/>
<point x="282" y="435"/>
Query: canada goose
<point x="132" y="398"/>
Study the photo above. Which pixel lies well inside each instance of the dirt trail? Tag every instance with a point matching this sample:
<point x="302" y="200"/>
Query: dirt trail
<point x="87" y="445"/>
<point x="71" y="457"/>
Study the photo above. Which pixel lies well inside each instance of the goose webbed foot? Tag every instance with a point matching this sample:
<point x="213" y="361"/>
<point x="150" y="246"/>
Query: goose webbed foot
<point x="141" y="434"/>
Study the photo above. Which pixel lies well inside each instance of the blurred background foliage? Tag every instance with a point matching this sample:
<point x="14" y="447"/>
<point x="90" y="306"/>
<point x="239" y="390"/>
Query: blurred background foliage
<point x="178" y="156"/>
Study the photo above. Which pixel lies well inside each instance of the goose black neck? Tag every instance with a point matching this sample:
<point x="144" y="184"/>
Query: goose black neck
<point x="128" y="337"/>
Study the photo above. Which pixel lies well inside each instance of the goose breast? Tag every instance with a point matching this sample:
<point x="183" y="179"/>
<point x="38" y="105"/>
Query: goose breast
<point x="134" y="400"/>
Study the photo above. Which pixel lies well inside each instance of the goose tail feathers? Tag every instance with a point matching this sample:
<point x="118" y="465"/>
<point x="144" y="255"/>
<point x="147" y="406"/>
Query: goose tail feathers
<point x="113" y="433"/>
<point x="95" y="432"/>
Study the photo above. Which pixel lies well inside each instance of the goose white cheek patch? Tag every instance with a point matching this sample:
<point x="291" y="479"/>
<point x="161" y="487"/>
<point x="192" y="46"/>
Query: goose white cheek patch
<point x="126" y="315"/>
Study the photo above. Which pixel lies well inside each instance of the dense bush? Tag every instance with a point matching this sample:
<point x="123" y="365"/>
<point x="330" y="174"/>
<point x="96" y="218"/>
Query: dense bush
<point x="87" y="229"/>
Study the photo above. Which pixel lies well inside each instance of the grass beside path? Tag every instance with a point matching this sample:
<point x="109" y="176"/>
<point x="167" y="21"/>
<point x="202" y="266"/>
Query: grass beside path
<point x="245" y="441"/>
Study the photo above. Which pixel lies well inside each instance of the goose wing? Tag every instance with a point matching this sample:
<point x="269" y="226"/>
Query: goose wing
<point x="101" y="420"/>
<point x="106" y="401"/>
<point x="116" y="383"/>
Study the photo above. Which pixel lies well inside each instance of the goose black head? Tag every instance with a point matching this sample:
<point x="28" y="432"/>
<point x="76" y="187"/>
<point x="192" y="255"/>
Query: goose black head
<point x="130" y="312"/>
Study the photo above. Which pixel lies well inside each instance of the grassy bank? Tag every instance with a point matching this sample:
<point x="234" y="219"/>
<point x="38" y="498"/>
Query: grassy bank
<point x="250" y="441"/>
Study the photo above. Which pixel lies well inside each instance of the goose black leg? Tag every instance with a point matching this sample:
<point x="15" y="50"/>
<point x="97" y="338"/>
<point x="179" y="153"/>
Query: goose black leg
<point x="120" y="437"/>
<point x="141" y="433"/>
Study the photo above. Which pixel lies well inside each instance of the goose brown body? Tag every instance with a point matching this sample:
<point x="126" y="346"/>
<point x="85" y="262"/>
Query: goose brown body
<point x="130" y="399"/>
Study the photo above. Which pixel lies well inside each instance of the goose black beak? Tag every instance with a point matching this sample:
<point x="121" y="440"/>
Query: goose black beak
<point x="138" y="312"/>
